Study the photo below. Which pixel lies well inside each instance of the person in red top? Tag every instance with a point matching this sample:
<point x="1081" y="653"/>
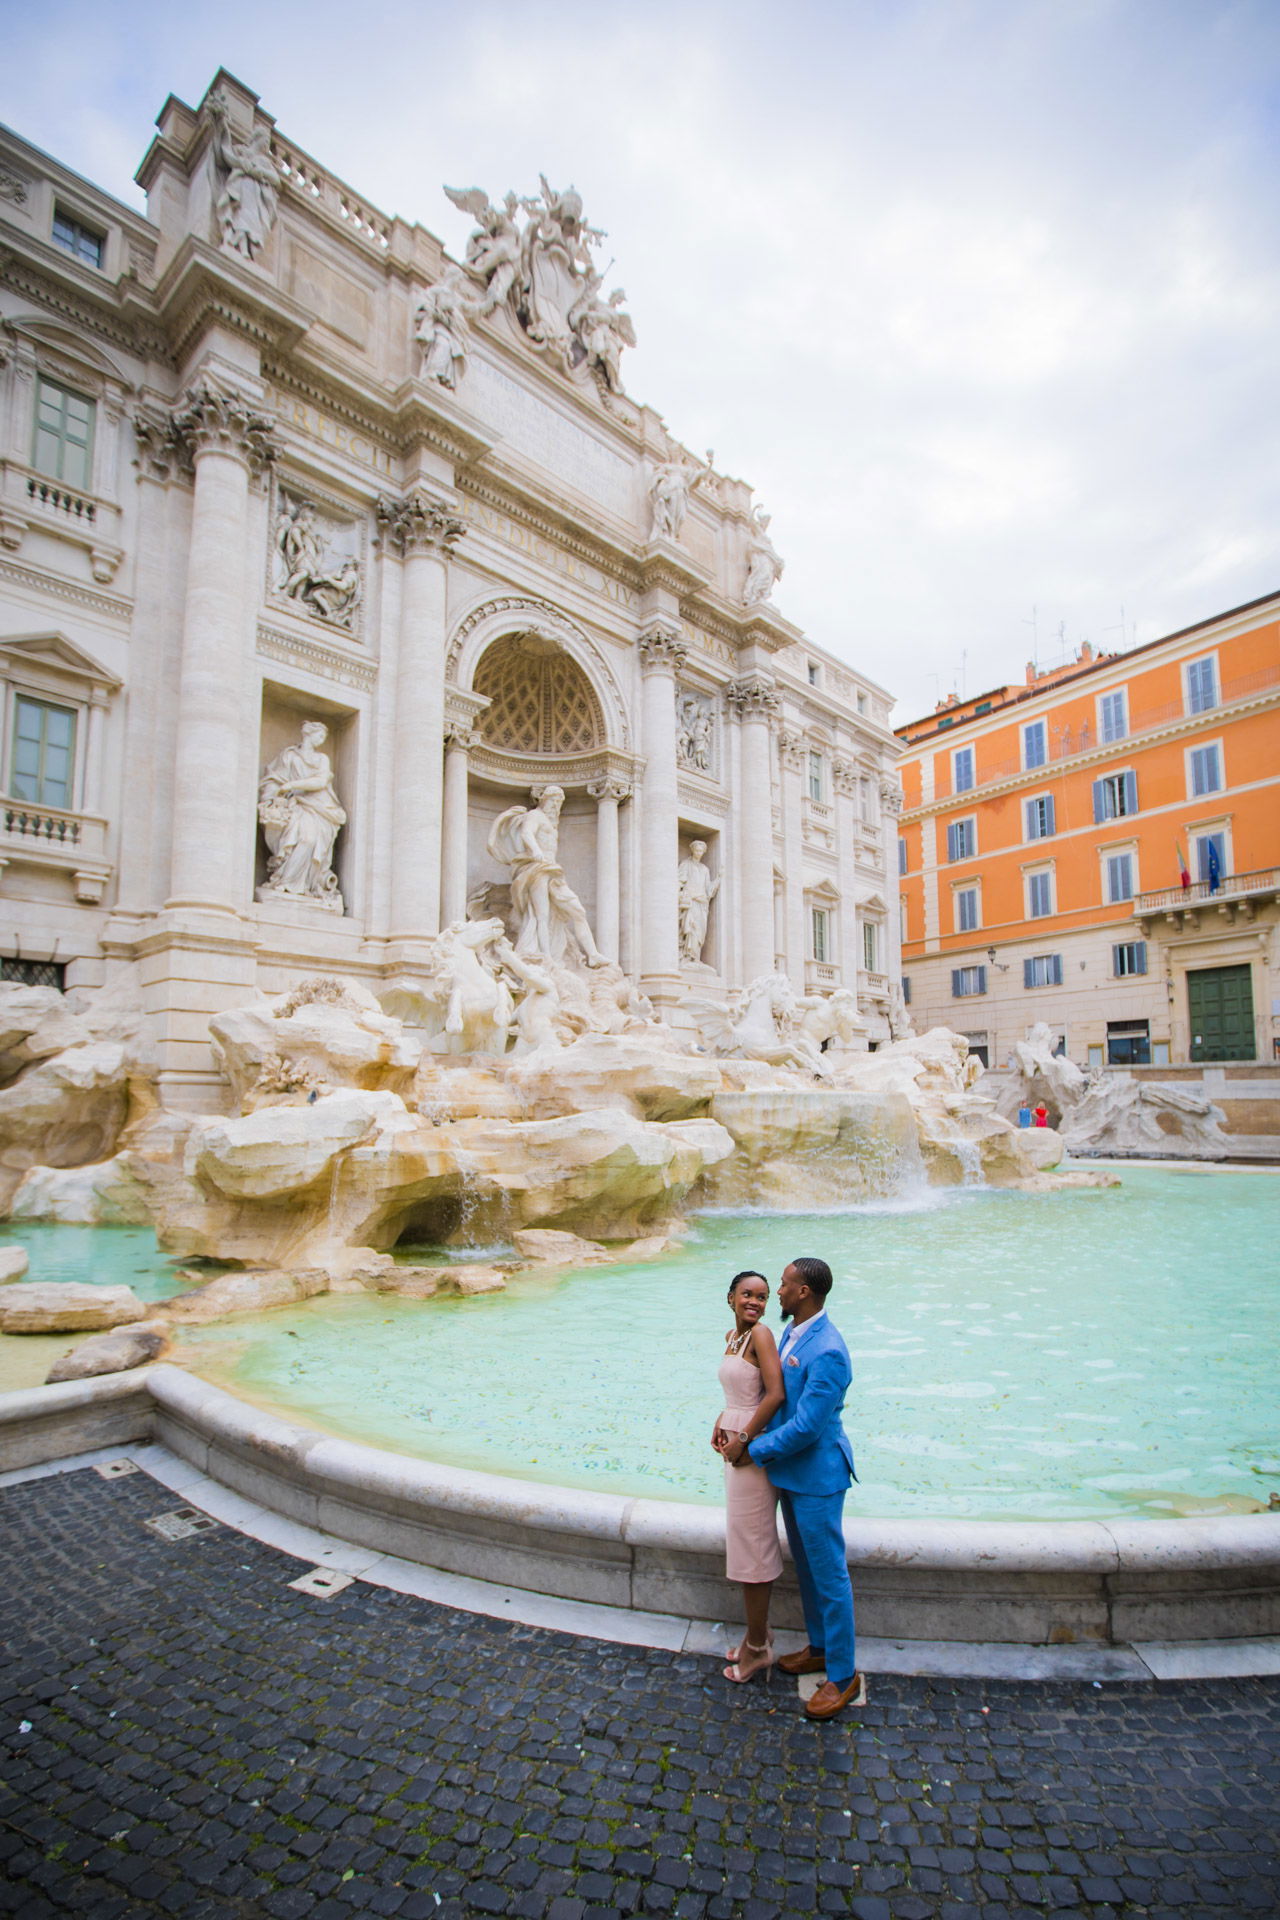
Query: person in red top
<point x="1042" y="1116"/>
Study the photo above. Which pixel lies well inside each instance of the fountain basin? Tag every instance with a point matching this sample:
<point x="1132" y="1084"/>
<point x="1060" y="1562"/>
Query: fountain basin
<point x="1033" y="1582"/>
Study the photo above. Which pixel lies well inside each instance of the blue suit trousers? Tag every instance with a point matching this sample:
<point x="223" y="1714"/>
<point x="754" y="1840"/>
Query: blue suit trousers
<point x="815" y="1533"/>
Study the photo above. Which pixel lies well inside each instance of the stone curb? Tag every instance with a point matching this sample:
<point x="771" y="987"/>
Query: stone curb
<point x="1034" y="1583"/>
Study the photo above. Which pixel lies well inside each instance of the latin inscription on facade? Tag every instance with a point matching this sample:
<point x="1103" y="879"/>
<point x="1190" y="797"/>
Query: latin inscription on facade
<point x="545" y="436"/>
<point x="527" y="540"/>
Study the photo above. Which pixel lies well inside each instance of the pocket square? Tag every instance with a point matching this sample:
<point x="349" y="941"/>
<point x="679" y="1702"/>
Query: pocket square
<point x="792" y="1361"/>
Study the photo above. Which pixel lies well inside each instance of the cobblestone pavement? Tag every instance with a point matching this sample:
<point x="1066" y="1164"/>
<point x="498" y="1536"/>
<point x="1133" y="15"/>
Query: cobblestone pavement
<point x="184" y="1735"/>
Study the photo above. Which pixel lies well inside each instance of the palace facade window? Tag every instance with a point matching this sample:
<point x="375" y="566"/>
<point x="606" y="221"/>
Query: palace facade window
<point x="1040" y="817"/>
<point x="42" y="760"/>
<point x="1201" y="681"/>
<point x="79" y="240"/>
<point x="63" y="441"/>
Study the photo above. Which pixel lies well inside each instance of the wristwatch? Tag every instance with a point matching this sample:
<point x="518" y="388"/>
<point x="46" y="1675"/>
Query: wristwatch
<point x="743" y="1439"/>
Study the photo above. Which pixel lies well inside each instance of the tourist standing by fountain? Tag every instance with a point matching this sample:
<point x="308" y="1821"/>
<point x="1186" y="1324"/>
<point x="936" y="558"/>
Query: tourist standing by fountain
<point x="751" y="1379"/>
<point x="809" y="1460"/>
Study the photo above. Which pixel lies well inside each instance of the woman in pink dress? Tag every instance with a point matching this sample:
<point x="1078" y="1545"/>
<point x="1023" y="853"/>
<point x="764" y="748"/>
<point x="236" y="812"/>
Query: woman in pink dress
<point x="751" y="1381"/>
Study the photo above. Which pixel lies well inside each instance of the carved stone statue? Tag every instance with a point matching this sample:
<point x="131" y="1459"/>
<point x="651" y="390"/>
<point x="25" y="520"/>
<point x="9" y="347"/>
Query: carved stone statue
<point x="493" y="249"/>
<point x="669" y="490"/>
<point x="693" y="733"/>
<point x="307" y="570"/>
<point x="825" y="1017"/>
<point x="552" y="921"/>
<point x="697" y="890"/>
<point x="441" y="328"/>
<point x="543" y="274"/>
<point x="764" y="566"/>
<point x="602" y="329"/>
<point x="250" y="190"/>
<point x="301" y="816"/>
<point x="761" y="1023"/>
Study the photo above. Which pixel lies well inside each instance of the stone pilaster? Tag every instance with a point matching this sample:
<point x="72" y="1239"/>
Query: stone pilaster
<point x="229" y="441"/>
<point x="459" y="738"/>
<point x="844" y="778"/>
<point x="607" y="794"/>
<point x="662" y="654"/>
<point x="795" y="944"/>
<point x="754" y="701"/>
<point x="423" y="532"/>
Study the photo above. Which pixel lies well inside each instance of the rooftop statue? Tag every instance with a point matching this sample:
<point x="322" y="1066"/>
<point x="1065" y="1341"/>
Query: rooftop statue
<point x="543" y="274"/>
<point x="249" y="194"/>
<point x="441" y="326"/>
<point x="764" y="565"/>
<point x="669" y="490"/>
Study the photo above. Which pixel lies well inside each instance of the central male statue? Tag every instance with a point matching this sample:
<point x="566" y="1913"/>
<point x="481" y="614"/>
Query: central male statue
<point x="552" y="918"/>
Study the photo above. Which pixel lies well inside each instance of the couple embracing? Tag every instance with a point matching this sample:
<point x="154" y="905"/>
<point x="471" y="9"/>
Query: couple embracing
<point x="782" y="1440"/>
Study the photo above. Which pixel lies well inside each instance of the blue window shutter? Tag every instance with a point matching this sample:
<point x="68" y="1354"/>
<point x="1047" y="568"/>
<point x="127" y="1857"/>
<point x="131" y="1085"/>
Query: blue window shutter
<point x="1055" y="971"/>
<point x="955" y="983"/>
<point x="1140" y="956"/>
<point x="1050" y="822"/>
<point x="982" y="979"/>
<point x="1027" y="972"/>
<point x="1029" y="815"/>
<point x="1099" y="803"/>
<point x="1131" y="793"/>
<point x="951" y="841"/>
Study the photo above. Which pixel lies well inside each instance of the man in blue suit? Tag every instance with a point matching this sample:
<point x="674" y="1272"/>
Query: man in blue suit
<point x="806" y="1454"/>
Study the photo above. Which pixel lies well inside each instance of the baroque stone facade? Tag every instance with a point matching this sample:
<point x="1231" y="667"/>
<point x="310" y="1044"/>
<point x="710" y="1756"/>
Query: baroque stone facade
<point x="320" y="552"/>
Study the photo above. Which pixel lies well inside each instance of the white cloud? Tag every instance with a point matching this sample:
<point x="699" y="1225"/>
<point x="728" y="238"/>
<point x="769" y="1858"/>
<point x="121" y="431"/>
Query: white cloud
<point x="979" y="294"/>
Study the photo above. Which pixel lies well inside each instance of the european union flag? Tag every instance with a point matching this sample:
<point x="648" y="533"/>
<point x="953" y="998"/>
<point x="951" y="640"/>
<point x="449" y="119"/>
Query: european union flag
<point x="1215" y="867"/>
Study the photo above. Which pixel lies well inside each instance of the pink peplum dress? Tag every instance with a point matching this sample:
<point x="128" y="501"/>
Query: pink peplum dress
<point x="752" y="1553"/>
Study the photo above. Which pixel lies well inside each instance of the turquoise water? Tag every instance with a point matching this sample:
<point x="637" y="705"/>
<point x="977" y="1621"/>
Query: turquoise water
<point x="1063" y="1355"/>
<point x="98" y="1256"/>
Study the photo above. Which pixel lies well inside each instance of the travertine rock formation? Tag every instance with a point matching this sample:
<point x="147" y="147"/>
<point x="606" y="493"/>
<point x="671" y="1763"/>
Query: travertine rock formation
<point x="65" y="1306"/>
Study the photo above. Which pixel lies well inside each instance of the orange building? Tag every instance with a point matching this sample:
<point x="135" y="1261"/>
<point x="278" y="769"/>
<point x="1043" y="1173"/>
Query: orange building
<point x="1099" y="850"/>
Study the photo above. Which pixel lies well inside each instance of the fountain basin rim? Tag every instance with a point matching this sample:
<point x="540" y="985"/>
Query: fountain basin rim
<point x="1091" y="1580"/>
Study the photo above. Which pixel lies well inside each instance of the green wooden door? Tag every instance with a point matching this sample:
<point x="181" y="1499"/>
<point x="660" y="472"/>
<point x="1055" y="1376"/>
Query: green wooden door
<point x="1220" y="1006"/>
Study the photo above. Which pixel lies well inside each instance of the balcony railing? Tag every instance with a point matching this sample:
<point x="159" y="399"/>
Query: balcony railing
<point x="1262" y="883"/>
<point x="36" y="836"/>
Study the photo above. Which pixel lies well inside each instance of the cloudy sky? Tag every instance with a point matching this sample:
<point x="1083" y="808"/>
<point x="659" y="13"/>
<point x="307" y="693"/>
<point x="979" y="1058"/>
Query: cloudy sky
<point x="982" y="296"/>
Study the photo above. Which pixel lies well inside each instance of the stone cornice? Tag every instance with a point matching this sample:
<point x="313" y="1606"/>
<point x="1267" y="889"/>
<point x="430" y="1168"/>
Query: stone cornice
<point x="38" y="581"/>
<point x="134" y="331"/>
<point x="1115" y="752"/>
<point x="610" y="558"/>
<point x="203" y="283"/>
<point x="312" y="656"/>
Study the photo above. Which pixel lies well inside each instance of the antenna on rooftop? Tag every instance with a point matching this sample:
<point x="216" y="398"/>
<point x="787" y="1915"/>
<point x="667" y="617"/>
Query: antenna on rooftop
<point x="964" y="673"/>
<point x="1034" y="624"/>
<point x="1123" y="628"/>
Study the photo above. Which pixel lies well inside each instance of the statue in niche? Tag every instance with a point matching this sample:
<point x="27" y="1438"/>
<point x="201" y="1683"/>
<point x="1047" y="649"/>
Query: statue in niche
<point x="552" y="921"/>
<point x="693" y="733"/>
<point x="673" y="482"/>
<point x="301" y="816"/>
<point x="493" y="250"/>
<point x="764" y="566"/>
<point x="309" y="571"/>
<point x="442" y="323"/>
<point x="250" y="191"/>
<point x="697" y="890"/>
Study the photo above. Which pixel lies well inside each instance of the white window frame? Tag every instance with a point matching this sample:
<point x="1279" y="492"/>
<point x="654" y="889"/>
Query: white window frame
<point x="962" y="819"/>
<point x="872" y="938"/>
<point x="1033" y="800"/>
<point x="1188" y="755"/>
<point x="1187" y="665"/>
<point x="47" y="668"/>
<point x="1130" y="973"/>
<point x="1103" y="737"/>
<point x="1029" y="874"/>
<point x="821" y="923"/>
<point x="1106" y="856"/>
<point x="1029" y="726"/>
<point x="979" y="973"/>
<point x="961" y="889"/>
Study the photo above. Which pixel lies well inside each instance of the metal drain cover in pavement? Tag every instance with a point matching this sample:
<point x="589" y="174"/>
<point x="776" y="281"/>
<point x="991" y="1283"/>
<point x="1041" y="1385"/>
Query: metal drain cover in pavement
<point x="116" y="1469"/>
<point x="181" y="1523"/>
<point x="323" y="1582"/>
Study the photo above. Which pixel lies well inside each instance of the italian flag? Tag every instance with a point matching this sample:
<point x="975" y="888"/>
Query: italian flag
<point x="1184" y="871"/>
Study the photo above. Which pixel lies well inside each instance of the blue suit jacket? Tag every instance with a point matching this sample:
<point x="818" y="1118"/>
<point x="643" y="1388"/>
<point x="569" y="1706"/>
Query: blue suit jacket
<point x="804" y="1448"/>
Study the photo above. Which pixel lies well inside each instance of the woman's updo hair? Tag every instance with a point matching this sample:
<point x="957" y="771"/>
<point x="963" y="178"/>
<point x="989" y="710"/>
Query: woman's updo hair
<point x="748" y="1273"/>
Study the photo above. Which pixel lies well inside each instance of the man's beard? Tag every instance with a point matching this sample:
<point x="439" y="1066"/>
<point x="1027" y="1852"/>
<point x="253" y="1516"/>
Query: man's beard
<point x="785" y="1312"/>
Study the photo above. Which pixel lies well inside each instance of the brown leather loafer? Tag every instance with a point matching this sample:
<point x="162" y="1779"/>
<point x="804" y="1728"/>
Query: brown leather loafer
<point x="831" y="1699"/>
<point x="806" y="1661"/>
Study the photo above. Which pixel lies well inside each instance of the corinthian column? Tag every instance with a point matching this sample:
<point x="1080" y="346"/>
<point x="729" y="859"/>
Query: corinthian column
<point x="607" y="793"/>
<point x="662" y="652"/>
<point x="754" y="700"/>
<point x="423" y="533"/>
<point x="229" y="442"/>
<point x="459" y="738"/>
